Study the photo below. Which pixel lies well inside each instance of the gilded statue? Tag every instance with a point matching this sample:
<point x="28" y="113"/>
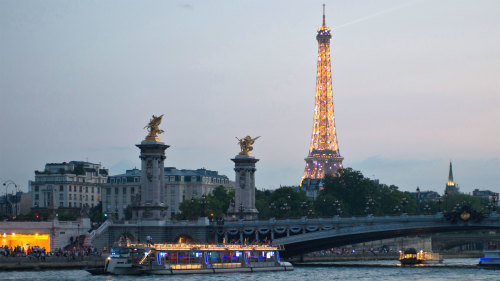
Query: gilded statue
<point x="154" y="128"/>
<point x="246" y="145"/>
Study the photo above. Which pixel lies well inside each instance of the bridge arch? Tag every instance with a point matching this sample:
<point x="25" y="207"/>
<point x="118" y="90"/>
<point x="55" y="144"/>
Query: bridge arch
<point x="300" y="236"/>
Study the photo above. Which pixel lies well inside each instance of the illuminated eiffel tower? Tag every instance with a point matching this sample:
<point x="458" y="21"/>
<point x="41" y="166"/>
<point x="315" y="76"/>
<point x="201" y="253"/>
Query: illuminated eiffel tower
<point x="324" y="156"/>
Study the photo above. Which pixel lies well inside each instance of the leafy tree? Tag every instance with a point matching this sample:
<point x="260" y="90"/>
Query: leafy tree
<point x="216" y="203"/>
<point x="281" y="203"/>
<point x="358" y="195"/>
<point x="96" y="215"/>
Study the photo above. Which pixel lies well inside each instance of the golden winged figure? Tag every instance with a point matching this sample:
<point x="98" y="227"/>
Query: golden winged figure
<point x="246" y="145"/>
<point x="154" y="128"/>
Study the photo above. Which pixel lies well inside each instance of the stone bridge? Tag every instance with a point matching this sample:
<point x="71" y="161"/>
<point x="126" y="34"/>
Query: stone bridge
<point x="300" y="236"/>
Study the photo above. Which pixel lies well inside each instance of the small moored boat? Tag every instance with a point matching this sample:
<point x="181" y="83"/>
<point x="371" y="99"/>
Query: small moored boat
<point x="412" y="257"/>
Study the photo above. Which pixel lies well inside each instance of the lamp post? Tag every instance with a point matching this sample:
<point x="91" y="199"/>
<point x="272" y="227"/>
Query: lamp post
<point x="427" y="209"/>
<point x="203" y="205"/>
<point x="396" y="209"/>
<point x="7" y="201"/>
<point x="272" y="208"/>
<point x="369" y="206"/>
<point x="439" y="201"/>
<point x="303" y="207"/>
<point x="285" y="209"/>
<point x="418" y="200"/>
<point x="404" y="203"/>
<point x="336" y="208"/>
<point x="310" y="213"/>
<point x="241" y="209"/>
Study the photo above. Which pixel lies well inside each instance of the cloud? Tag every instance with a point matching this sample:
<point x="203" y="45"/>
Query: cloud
<point x="186" y="6"/>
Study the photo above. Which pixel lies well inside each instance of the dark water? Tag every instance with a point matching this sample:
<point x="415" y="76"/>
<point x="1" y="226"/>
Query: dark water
<point x="452" y="269"/>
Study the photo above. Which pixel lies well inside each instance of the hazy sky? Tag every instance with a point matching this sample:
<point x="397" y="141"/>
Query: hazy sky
<point x="416" y="84"/>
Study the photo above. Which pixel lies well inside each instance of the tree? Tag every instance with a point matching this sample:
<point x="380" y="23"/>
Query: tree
<point x="281" y="203"/>
<point x="216" y="203"/>
<point x="96" y="215"/>
<point x="358" y="195"/>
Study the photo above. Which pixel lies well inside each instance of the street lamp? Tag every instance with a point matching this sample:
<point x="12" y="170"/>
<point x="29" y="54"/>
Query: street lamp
<point x="285" y="209"/>
<point x="494" y="199"/>
<point x="203" y="205"/>
<point x="336" y="208"/>
<point x="241" y="209"/>
<point x="369" y="206"/>
<point x="310" y="213"/>
<point x="418" y="200"/>
<point x="396" y="209"/>
<point x="427" y="209"/>
<point x="7" y="201"/>
<point x="404" y="203"/>
<point x="272" y="208"/>
<point x="439" y="201"/>
<point x="303" y="207"/>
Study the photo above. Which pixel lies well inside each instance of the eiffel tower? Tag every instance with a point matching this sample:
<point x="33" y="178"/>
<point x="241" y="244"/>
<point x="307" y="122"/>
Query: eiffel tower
<point x="324" y="156"/>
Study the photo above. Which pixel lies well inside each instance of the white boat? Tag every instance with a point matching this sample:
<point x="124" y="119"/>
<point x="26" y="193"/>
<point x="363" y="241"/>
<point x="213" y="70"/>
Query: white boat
<point x="491" y="259"/>
<point x="171" y="259"/>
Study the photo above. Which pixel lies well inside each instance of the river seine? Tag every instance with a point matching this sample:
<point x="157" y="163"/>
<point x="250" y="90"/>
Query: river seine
<point x="451" y="269"/>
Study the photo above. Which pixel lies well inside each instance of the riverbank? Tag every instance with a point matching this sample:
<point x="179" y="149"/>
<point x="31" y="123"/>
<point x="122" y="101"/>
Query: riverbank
<point x="50" y="263"/>
<point x="374" y="257"/>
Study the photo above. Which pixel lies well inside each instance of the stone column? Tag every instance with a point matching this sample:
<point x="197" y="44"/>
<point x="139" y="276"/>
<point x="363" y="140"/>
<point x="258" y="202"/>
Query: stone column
<point x="244" y="198"/>
<point x="152" y="205"/>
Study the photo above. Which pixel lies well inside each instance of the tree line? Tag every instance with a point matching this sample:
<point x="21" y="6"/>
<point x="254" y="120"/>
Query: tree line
<point x="348" y="193"/>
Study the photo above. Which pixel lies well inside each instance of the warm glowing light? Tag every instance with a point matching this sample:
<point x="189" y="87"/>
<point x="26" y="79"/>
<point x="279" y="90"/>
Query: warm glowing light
<point x="323" y="150"/>
<point x="26" y="240"/>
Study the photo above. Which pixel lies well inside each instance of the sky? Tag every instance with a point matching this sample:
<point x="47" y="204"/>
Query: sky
<point x="416" y="85"/>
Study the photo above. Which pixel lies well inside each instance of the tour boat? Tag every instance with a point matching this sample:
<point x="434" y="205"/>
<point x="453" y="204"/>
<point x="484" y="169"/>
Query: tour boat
<point x="491" y="259"/>
<point x="171" y="259"/>
<point x="412" y="257"/>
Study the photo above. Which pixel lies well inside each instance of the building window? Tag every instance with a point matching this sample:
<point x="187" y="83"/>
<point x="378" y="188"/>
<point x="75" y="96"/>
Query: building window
<point x="124" y="190"/>
<point x="86" y="189"/>
<point x="92" y="189"/>
<point x="80" y="189"/>
<point x="61" y="204"/>
<point x="86" y="198"/>
<point x="81" y="200"/>
<point x="131" y="190"/>
<point x="61" y="196"/>
<point x="108" y="191"/>
<point x="61" y="188"/>
<point x="98" y="190"/>
<point x="69" y="204"/>
<point x="116" y="190"/>
<point x="37" y="196"/>
<point x="92" y="198"/>
<point x="36" y="188"/>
